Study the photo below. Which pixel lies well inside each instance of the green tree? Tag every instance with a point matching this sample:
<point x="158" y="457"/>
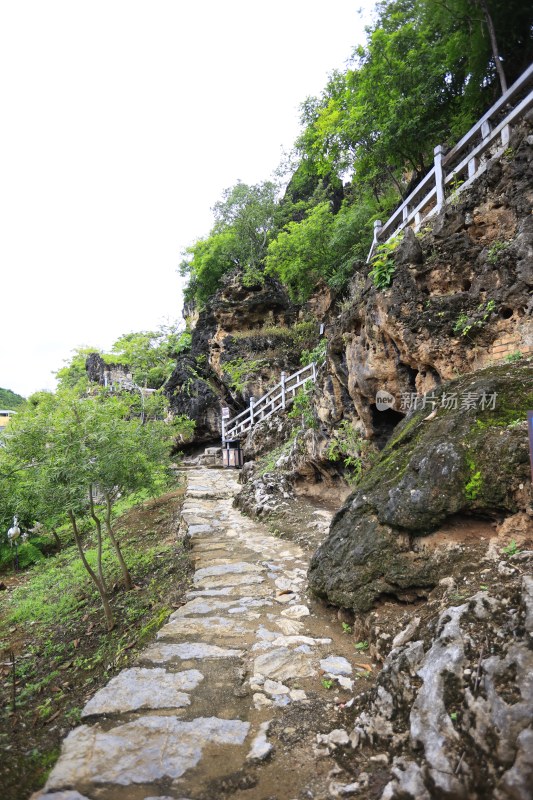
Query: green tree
<point x="68" y="450"/>
<point x="204" y="264"/>
<point x="151" y="355"/>
<point x="428" y="70"/>
<point x="300" y="255"/>
<point x="323" y="246"/>
<point x="73" y="374"/>
<point x="244" y="221"/>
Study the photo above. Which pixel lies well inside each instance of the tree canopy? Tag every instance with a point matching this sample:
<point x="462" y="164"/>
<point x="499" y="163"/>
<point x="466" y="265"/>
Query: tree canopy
<point x="428" y="70"/>
<point x="69" y="457"/>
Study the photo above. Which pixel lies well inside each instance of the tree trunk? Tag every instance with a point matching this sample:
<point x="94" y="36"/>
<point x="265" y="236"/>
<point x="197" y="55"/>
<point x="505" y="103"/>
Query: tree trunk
<point x="94" y="577"/>
<point x="98" y="526"/>
<point x="128" y="584"/>
<point x="56" y="538"/>
<point x="493" y="44"/>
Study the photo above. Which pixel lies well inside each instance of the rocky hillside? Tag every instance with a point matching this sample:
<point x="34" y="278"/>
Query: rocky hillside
<point x="460" y="300"/>
<point x="416" y="433"/>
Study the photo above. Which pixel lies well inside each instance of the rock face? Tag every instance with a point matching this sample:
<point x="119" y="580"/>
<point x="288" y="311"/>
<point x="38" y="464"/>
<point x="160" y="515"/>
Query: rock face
<point x="193" y="389"/>
<point x="461" y="298"/>
<point x="455" y="710"/>
<point x="107" y="374"/>
<point x="439" y="463"/>
<point x="253" y="324"/>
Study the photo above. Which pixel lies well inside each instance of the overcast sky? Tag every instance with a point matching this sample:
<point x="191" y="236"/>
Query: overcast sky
<point x="122" y="123"/>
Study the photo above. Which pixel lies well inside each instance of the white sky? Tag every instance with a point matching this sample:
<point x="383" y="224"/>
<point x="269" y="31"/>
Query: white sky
<point x="122" y="123"/>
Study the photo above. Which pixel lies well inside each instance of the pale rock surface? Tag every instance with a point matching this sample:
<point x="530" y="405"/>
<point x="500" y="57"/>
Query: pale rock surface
<point x="336" y="665"/>
<point x="138" y="688"/>
<point x="142" y="751"/>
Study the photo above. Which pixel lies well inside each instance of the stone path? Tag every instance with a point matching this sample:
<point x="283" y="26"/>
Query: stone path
<point x="199" y="703"/>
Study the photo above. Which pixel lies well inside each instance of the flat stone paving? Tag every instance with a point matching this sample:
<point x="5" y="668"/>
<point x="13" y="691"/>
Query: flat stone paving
<point x="200" y="701"/>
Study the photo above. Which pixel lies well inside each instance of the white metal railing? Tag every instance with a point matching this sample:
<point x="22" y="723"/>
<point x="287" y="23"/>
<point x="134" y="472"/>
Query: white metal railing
<point x="277" y="398"/>
<point x="462" y="164"/>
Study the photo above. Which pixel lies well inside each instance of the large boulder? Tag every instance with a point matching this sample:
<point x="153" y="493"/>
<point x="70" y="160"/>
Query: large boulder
<point x="442" y="460"/>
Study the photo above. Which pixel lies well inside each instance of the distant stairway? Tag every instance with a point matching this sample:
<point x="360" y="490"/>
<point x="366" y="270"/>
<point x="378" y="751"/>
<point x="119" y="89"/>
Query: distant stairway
<point x="276" y="399"/>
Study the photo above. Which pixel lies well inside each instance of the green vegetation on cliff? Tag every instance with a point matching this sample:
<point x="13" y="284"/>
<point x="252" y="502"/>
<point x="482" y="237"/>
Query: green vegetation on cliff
<point x="428" y="70"/>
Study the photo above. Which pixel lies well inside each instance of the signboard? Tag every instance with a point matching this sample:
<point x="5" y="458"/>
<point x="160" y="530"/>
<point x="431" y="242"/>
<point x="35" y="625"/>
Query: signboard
<point x="225" y="412"/>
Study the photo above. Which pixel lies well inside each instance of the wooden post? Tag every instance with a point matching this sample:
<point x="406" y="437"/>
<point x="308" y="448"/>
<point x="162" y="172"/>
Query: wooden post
<point x="439" y="175"/>
<point x="282" y="382"/>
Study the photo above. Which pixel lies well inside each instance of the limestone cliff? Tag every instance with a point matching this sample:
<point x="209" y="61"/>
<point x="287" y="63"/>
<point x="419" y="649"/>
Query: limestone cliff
<point x="240" y="344"/>
<point x="420" y="405"/>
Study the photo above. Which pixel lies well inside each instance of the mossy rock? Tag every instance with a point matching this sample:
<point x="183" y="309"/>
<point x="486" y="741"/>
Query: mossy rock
<point x="464" y="460"/>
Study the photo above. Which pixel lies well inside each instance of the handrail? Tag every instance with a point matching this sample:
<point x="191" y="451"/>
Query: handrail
<point x="450" y="167"/>
<point x="275" y="399"/>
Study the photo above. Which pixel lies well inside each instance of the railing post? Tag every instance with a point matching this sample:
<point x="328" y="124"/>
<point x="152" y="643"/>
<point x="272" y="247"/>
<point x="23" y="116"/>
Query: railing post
<point x="505" y="135"/>
<point x="439" y="175"/>
<point x="282" y="383"/>
<point x="375" y="241"/>
<point x="252" y="401"/>
<point x="314" y="371"/>
<point x="486" y="128"/>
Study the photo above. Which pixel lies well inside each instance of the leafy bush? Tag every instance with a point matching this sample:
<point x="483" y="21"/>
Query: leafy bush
<point x="383" y="265"/>
<point x="317" y="355"/>
<point x="302" y="407"/>
<point x="241" y="371"/>
<point x="355" y="452"/>
<point x="495" y="250"/>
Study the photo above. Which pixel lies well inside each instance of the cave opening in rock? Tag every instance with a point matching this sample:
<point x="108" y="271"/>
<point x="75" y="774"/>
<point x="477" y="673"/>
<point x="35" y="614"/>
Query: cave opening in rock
<point x="383" y="424"/>
<point x="409" y="373"/>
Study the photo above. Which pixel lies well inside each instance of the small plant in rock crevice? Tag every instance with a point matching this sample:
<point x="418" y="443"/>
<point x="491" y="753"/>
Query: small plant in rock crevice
<point x="465" y="323"/>
<point x="511" y="549"/>
<point x="241" y="371"/>
<point x="495" y="251"/>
